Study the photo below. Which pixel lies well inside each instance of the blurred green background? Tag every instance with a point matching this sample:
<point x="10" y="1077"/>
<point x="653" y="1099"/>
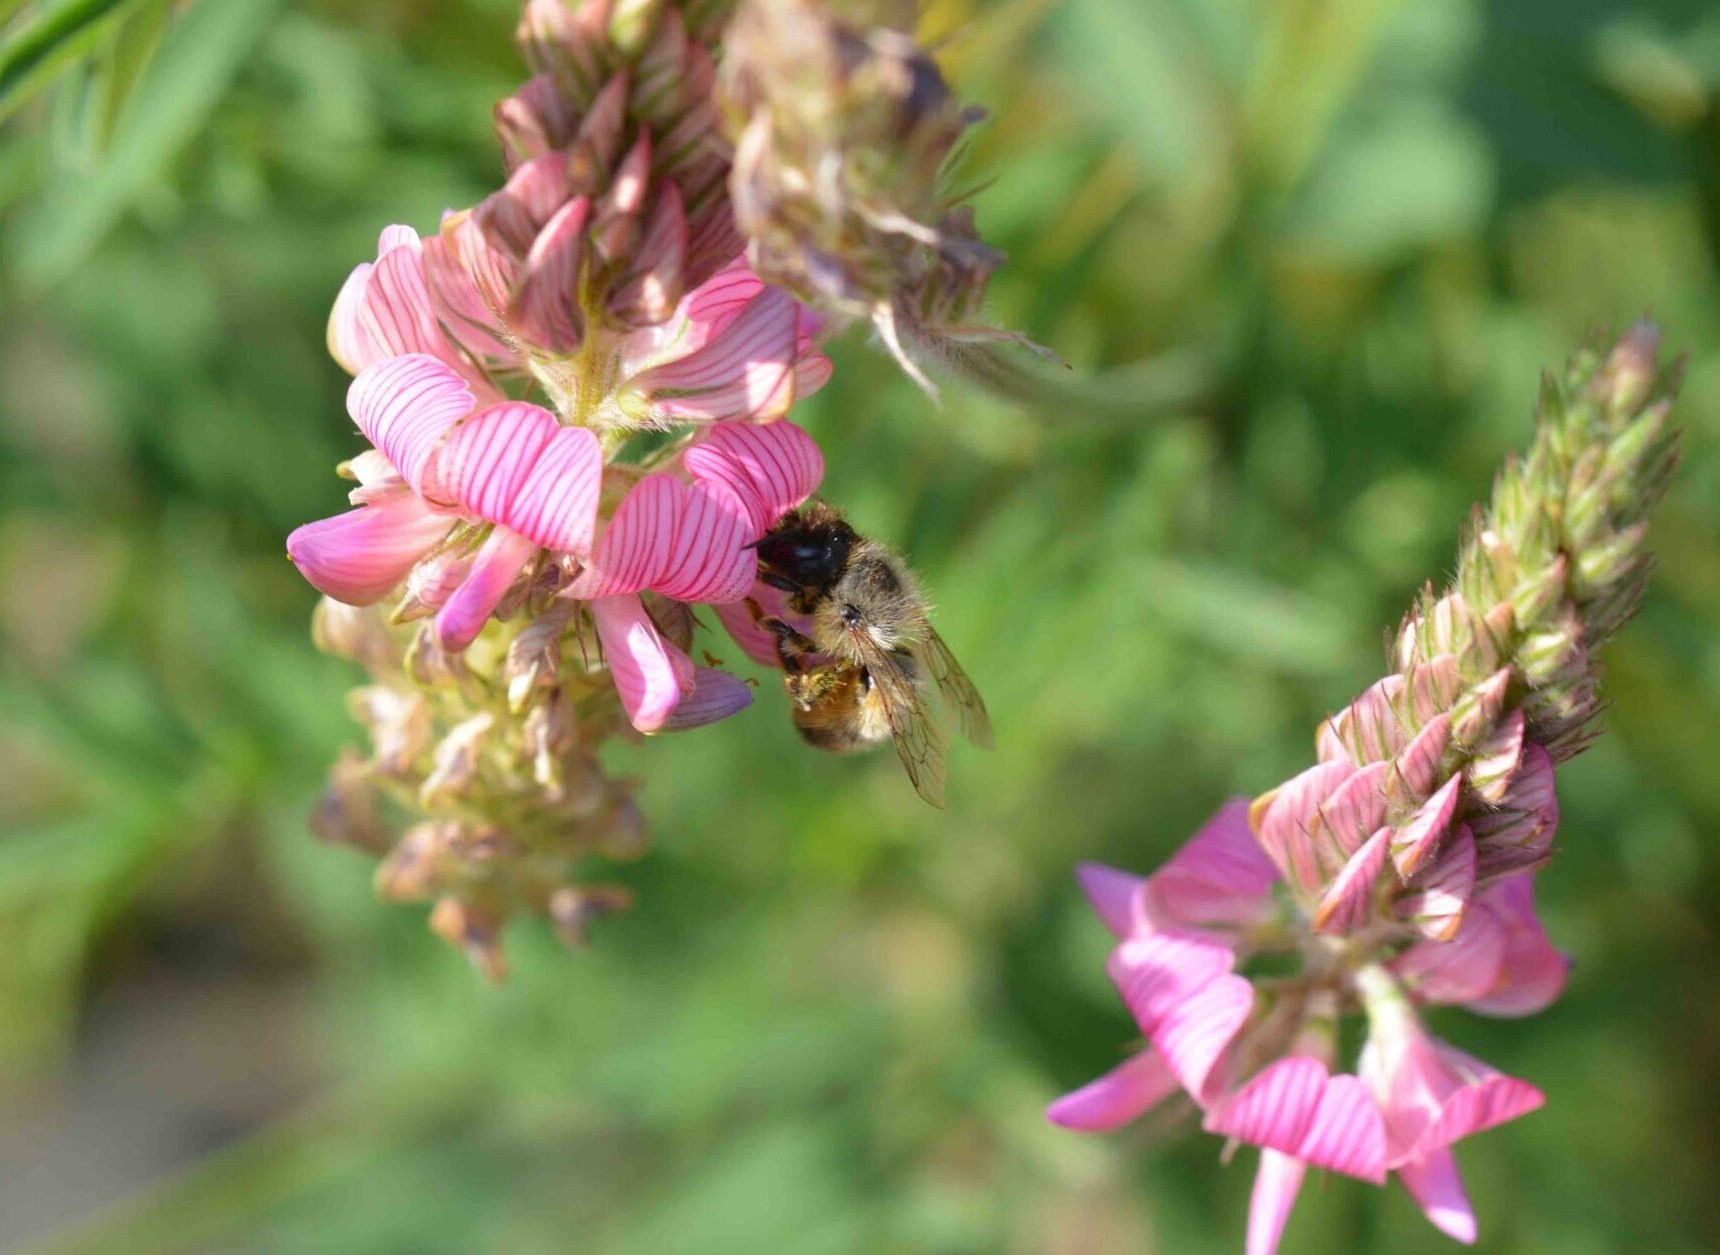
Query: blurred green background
<point x="833" y="1019"/>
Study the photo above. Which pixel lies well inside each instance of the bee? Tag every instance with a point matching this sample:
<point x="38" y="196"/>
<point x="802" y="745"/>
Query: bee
<point x="857" y="673"/>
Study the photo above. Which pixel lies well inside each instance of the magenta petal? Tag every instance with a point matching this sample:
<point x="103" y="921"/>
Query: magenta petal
<point x="1531" y="972"/>
<point x="772" y="468"/>
<point x="746" y="372"/>
<point x="1220" y="877"/>
<point x="556" y="504"/>
<point x="1296" y="1107"/>
<point x="357" y="557"/>
<point x="348" y="341"/>
<point x="1122" y="1094"/>
<point x="1197" y="1032"/>
<point x="396" y="312"/>
<point x="1115" y="897"/>
<point x="493" y="570"/>
<point x="1284" y="826"/>
<point x="461" y="306"/>
<point x="709" y="560"/>
<point x="1348" y="902"/>
<point x="1438" y="1190"/>
<point x="1276" y="1183"/>
<point x="639" y="660"/>
<point x="1421" y="836"/>
<point x="1158" y="972"/>
<point x="635" y="548"/>
<point x="1461" y="970"/>
<point x="1485" y="1098"/>
<point x="405" y="406"/>
<point x="715" y="695"/>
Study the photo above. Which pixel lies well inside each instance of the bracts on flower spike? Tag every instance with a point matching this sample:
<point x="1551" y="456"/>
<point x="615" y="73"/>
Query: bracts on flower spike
<point x="1398" y="870"/>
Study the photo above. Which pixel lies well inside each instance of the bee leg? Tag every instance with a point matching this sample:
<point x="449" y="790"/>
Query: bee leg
<point x="792" y="645"/>
<point x="779" y="581"/>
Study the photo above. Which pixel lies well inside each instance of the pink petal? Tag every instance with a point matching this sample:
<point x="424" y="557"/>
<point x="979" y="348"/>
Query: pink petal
<point x="1296" y="1107"/>
<point x="396" y="312"/>
<point x="1441" y="890"/>
<point x="1349" y="816"/>
<point x="636" y="546"/>
<point x="1220" y="877"/>
<point x="1497" y="759"/>
<point x="1519" y="834"/>
<point x="1348" y="902"/>
<point x="1369" y="726"/>
<point x="1122" y="1094"/>
<point x="1532" y="973"/>
<point x="405" y="406"/>
<point x="359" y="556"/>
<point x="1416" y="769"/>
<point x="1438" y="1190"/>
<point x="772" y="468"/>
<point x="494" y="569"/>
<point x="556" y="504"/>
<point x="348" y="341"/>
<point x="1114" y="896"/>
<point x="1488" y="1099"/>
<point x="1433" y="687"/>
<point x="737" y="619"/>
<point x="1196" y="1033"/>
<point x="1460" y="970"/>
<point x="515" y="214"/>
<point x="655" y="277"/>
<point x="546" y="305"/>
<point x="1285" y="824"/>
<point x="1276" y="1183"/>
<point x="639" y="660"/>
<point x="1158" y="972"/>
<point x="715" y="695"/>
<point x="745" y="372"/>
<point x="486" y="460"/>
<point x="464" y="313"/>
<point x="1421" y="836"/>
<point x="709" y="560"/>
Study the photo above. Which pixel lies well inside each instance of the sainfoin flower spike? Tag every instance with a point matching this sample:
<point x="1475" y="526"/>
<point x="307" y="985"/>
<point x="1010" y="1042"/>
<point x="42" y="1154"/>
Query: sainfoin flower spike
<point x="1397" y="871"/>
<point x="574" y="397"/>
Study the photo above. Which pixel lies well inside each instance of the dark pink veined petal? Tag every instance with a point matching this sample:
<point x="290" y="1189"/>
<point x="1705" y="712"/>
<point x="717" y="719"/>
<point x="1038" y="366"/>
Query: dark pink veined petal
<point x="348" y="342"/>
<point x="486" y="459"/>
<point x="1124" y="1093"/>
<point x="772" y="468"/>
<point x="1115" y="898"/>
<point x="639" y="660"/>
<point x="1497" y="760"/>
<point x="1531" y="972"/>
<point x="1485" y="1099"/>
<point x="546" y="303"/>
<point x="493" y="273"/>
<point x="1441" y="890"/>
<point x="359" y="556"/>
<point x="709" y="560"/>
<point x="405" y="406"/>
<point x="745" y="372"/>
<point x="517" y="212"/>
<point x="556" y="503"/>
<point x="1295" y="1106"/>
<point x="460" y="306"/>
<point x="1348" y="901"/>
<point x="1370" y="726"/>
<point x="716" y="695"/>
<point x="1415" y="771"/>
<point x="718" y="301"/>
<point x="497" y="564"/>
<point x="1438" y="1190"/>
<point x="1276" y="1183"/>
<point x="656" y="276"/>
<point x="1461" y="970"/>
<point x="1284" y="826"/>
<point x="1156" y="973"/>
<point x="1417" y="840"/>
<point x="635" y="547"/>
<point x="1219" y="878"/>
<point x="396" y="312"/>
<point x="1349" y="816"/>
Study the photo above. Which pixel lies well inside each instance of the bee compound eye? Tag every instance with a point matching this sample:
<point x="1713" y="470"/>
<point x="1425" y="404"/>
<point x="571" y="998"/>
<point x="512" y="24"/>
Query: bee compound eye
<point x="850" y="614"/>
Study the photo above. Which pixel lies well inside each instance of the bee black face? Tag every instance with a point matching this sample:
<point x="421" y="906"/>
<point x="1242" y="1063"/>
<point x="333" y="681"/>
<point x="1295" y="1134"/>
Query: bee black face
<point x="810" y="556"/>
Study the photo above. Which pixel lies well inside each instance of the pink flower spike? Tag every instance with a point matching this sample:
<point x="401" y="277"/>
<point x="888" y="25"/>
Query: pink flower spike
<point x="493" y="570"/>
<point x="1276" y="1183"/>
<point x="1125" y="1092"/>
<point x="1115" y="897"/>
<point x="715" y="695"/>
<point x="640" y="660"/>
<point x="357" y="557"/>
<point x="772" y="468"/>
<point x="1438" y="1190"/>
<point x="1297" y="1107"/>
<point x="405" y="406"/>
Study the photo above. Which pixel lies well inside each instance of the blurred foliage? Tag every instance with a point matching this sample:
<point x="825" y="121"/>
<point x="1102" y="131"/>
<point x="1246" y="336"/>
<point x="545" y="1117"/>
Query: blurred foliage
<point x="832" y="1021"/>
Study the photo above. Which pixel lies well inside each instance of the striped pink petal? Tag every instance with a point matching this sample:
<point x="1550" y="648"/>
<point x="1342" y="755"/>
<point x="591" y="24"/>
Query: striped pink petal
<point x="1440" y="891"/>
<point x="1219" y="878"/>
<point x="546" y="304"/>
<point x="1124" y="1093"/>
<point x="1181" y="992"/>
<point x="1276" y="1183"/>
<point x="646" y="675"/>
<point x="359" y="556"/>
<point x="715" y="695"/>
<point x="1115" y="897"/>
<point x="1416" y="770"/>
<point x="460" y="306"/>
<point x="515" y="214"/>
<point x="1284" y="827"/>
<point x="1438" y="1190"/>
<point x="744" y="372"/>
<point x="405" y="406"/>
<point x="1348" y="902"/>
<point x="486" y="458"/>
<point x="348" y="342"/>
<point x="396" y="312"/>
<point x="1531" y="973"/>
<point x="497" y="564"/>
<point x="1196" y="1035"/>
<point x="771" y="468"/>
<point x="1497" y="759"/>
<point x="1519" y="834"/>
<point x="556" y="503"/>
<point x="656" y="276"/>
<point x="1417" y="840"/>
<point x="1295" y="1106"/>
<point x="709" y="560"/>
<point x="1461" y="970"/>
<point x="636" y="546"/>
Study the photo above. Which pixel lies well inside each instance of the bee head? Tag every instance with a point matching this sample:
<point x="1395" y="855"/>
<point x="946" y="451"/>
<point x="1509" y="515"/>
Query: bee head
<point x="811" y="554"/>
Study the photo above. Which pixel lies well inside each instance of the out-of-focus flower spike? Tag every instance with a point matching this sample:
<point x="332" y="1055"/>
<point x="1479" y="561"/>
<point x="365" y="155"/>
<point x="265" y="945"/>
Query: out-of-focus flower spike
<point x="1438" y="1190"/>
<point x="1277" y="1182"/>
<point x="1126" y="1092"/>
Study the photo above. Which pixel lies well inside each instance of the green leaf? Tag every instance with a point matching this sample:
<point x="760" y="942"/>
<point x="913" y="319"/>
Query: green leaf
<point x="50" y="44"/>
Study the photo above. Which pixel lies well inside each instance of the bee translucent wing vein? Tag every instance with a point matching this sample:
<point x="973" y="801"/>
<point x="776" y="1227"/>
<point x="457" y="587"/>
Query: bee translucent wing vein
<point x="958" y="690"/>
<point x="919" y="743"/>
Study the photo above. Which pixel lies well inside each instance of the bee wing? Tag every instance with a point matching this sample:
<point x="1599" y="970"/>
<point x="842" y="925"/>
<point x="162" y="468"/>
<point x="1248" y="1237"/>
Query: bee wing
<point x="957" y="689"/>
<point x="919" y="741"/>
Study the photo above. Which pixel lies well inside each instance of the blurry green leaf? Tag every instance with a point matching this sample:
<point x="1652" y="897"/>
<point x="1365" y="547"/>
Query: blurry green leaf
<point x="197" y="61"/>
<point x="49" y="44"/>
<point x="124" y="60"/>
